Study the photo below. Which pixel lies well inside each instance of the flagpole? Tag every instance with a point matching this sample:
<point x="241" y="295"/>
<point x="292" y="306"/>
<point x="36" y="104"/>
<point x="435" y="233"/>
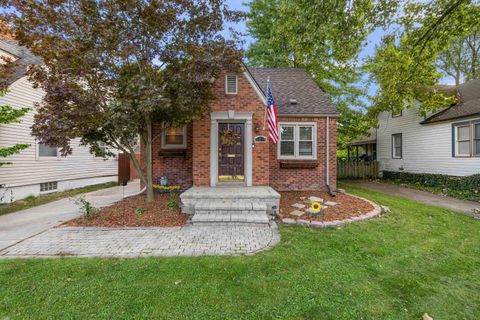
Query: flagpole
<point x="265" y="115"/>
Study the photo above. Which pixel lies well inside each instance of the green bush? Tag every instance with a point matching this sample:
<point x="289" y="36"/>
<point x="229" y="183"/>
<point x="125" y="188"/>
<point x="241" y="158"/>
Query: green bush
<point x="467" y="187"/>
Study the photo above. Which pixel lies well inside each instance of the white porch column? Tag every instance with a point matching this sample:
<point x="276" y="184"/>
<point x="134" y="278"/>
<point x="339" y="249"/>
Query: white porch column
<point x="249" y="152"/>
<point x="213" y="152"/>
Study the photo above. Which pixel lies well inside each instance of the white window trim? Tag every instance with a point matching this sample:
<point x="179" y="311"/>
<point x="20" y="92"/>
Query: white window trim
<point x="296" y="140"/>
<point x="226" y="84"/>
<point x="165" y="145"/>
<point x="394" y="155"/>
<point x="470" y="141"/>
<point x="38" y="157"/>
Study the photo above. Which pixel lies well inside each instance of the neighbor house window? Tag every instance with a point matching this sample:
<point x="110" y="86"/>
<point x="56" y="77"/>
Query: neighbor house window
<point x="396" y="113"/>
<point x="397" y="146"/>
<point x="48" y="186"/>
<point x="231" y="84"/>
<point x="297" y="141"/>
<point x="103" y="148"/>
<point x="47" y="151"/>
<point x="466" y="137"/>
<point x="174" y="137"/>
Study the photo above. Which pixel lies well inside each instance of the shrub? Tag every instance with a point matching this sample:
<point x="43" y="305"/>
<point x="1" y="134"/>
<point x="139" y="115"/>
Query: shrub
<point x="140" y="211"/>
<point x="467" y="187"/>
<point x="172" y="204"/>
<point x="89" y="211"/>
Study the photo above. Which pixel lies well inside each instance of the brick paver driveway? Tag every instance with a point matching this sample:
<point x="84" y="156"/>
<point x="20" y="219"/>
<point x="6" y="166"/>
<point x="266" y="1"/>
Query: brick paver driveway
<point x="191" y="240"/>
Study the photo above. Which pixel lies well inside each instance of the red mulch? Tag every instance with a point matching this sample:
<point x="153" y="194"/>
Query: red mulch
<point x="122" y="214"/>
<point x="347" y="206"/>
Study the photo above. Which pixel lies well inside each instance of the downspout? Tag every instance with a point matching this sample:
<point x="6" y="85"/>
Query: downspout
<point x="327" y="166"/>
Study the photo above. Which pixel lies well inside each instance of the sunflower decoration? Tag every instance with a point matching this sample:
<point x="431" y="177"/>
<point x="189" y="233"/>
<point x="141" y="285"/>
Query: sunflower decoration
<point x="229" y="137"/>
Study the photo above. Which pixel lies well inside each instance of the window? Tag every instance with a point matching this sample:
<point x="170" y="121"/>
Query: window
<point x="48" y="186"/>
<point x="466" y="137"/>
<point x="297" y="141"/>
<point x="174" y="137"/>
<point x="396" y="113"/>
<point x="103" y="148"/>
<point x="476" y="140"/>
<point x="231" y="85"/>
<point x="46" y="150"/>
<point x="397" y="146"/>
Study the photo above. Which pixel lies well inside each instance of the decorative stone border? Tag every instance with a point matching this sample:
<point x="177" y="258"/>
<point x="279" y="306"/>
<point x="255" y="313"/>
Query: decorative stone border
<point x="377" y="210"/>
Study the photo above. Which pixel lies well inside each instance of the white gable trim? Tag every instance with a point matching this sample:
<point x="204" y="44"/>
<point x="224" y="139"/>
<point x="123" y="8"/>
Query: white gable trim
<point x="254" y="85"/>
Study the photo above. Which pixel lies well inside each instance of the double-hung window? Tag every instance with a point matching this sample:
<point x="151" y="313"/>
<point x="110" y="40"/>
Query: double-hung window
<point x="397" y="146"/>
<point x="466" y="137"/>
<point x="174" y="137"/>
<point x="45" y="150"/>
<point x="297" y="141"/>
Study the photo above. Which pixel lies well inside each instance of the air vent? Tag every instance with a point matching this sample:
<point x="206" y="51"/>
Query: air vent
<point x="293" y="101"/>
<point x="231" y="84"/>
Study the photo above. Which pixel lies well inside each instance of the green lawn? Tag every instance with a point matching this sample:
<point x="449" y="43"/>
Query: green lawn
<point x="32" y="201"/>
<point x="416" y="259"/>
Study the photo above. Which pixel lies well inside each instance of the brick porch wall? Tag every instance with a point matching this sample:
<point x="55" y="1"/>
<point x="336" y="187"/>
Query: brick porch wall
<point x="178" y="168"/>
<point x="246" y="100"/>
<point x="283" y="179"/>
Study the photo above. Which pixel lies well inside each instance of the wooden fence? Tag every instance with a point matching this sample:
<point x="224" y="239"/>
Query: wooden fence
<point x="357" y="169"/>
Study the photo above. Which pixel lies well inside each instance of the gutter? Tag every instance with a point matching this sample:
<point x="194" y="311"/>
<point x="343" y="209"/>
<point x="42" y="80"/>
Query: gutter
<point x="327" y="166"/>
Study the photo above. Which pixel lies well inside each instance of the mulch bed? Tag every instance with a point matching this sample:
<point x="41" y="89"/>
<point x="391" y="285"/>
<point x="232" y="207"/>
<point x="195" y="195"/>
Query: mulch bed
<point x="347" y="206"/>
<point x="123" y="214"/>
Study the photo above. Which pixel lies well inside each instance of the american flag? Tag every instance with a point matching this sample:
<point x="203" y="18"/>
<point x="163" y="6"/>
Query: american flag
<point x="271" y="116"/>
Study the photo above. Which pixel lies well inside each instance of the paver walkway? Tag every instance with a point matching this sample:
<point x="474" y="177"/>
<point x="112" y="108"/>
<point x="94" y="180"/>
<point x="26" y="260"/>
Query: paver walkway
<point x="191" y="240"/>
<point x="19" y="225"/>
<point x="421" y="196"/>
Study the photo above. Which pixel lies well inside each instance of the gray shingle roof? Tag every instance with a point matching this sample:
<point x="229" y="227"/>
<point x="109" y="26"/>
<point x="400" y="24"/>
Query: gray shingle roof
<point x="468" y="104"/>
<point x="25" y="58"/>
<point x="294" y="83"/>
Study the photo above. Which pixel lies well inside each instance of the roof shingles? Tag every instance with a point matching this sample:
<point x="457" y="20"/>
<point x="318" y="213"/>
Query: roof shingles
<point x="294" y="84"/>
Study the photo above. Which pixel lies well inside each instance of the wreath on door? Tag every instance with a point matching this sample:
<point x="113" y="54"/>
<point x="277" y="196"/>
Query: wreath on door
<point x="229" y="137"/>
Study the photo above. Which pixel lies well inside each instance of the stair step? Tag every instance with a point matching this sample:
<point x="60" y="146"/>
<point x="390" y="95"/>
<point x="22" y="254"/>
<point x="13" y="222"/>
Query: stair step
<point x="230" y="205"/>
<point x="199" y="218"/>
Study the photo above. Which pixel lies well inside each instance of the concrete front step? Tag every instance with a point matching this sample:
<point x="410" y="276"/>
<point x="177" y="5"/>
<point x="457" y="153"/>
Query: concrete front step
<point x="230" y="210"/>
<point x="234" y="217"/>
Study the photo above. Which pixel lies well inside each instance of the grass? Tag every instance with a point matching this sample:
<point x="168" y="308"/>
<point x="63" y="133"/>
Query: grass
<point x="33" y="201"/>
<point x="414" y="260"/>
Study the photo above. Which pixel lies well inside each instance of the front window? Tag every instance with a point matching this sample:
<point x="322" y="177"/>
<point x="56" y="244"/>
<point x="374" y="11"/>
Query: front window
<point x="174" y="137"/>
<point x="397" y="146"/>
<point x="47" y="151"/>
<point x="467" y="139"/>
<point x="297" y="141"/>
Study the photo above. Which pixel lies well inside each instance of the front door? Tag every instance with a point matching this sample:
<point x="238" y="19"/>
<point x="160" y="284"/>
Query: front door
<point x="231" y="140"/>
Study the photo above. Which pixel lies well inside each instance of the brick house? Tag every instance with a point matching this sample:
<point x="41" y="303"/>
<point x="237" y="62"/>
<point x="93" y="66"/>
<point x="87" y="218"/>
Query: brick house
<point x="229" y="147"/>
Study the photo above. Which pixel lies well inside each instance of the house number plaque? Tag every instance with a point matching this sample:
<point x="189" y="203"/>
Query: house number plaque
<point x="260" y="139"/>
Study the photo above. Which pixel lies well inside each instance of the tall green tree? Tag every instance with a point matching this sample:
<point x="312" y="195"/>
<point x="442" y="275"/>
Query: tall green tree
<point x="461" y="60"/>
<point x="405" y="65"/>
<point x="7" y="113"/>
<point x="324" y="37"/>
<point x="113" y="67"/>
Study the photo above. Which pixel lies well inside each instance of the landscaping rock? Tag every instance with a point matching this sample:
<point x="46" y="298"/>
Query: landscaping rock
<point x="476" y="210"/>
<point x="315" y="199"/>
<point x="385" y="209"/>
<point x="317" y="224"/>
<point x="297" y="213"/>
<point x="303" y="222"/>
<point x="288" y="221"/>
<point x="341" y="191"/>
<point x="426" y="317"/>
<point x="330" y="203"/>
<point x="298" y="205"/>
<point x="303" y="198"/>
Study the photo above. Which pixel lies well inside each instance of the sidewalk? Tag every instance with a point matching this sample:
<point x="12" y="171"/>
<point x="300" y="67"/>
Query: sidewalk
<point x="420" y="196"/>
<point x="20" y="225"/>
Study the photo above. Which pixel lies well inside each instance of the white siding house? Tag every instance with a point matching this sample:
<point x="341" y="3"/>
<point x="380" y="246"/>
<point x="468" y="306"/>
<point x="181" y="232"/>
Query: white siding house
<point x="422" y="148"/>
<point x="39" y="169"/>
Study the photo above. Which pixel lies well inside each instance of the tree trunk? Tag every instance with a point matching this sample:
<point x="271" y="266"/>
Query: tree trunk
<point x="148" y="159"/>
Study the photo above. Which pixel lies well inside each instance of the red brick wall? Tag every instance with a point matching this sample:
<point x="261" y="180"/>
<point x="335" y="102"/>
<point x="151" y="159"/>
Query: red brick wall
<point x="195" y="168"/>
<point x="246" y="100"/>
<point x="178" y="167"/>
<point x="283" y="179"/>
